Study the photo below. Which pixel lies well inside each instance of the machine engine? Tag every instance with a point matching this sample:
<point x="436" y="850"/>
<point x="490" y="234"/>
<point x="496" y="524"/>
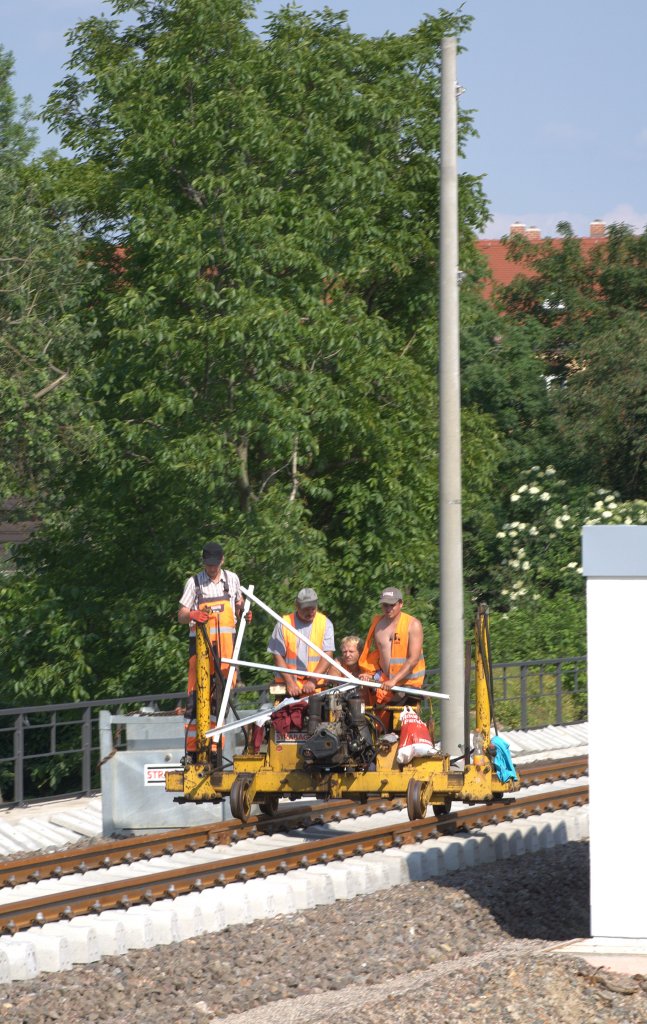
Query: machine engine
<point x="339" y="733"/>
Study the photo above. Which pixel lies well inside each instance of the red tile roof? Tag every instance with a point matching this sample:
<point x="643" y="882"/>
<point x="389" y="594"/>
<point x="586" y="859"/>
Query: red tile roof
<point x="504" y="271"/>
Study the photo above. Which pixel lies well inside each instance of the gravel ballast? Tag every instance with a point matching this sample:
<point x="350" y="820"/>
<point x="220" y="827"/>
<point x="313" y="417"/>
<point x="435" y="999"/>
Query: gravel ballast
<point x="475" y="942"/>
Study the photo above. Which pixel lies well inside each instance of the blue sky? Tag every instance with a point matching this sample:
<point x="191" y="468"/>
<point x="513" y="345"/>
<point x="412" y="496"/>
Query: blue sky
<point x="559" y="88"/>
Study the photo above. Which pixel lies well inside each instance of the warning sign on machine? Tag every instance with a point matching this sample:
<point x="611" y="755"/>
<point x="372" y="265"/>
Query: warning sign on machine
<point x="155" y="774"/>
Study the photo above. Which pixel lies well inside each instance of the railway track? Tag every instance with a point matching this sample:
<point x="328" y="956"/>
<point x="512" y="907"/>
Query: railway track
<point x="215" y="865"/>
<point x="110" y="853"/>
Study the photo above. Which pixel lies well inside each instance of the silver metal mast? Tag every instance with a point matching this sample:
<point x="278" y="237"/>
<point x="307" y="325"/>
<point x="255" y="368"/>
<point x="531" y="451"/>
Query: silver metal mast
<point x="452" y="731"/>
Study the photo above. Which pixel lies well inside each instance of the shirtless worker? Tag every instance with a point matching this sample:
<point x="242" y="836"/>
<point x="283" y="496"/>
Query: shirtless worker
<point x="393" y="650"/>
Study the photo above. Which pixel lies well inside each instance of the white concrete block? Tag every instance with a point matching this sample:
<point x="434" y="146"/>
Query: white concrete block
<point x="189" y="916"/>
<point x="451" y="848"/>
<point x="470" y="851"/>
<point x="79" y="823"/>
<point x="235" y="904"/>
<point x="52" y="951"/>
<point x="138" y="930"/>
<point x="8" y="844"/>
<point x="260" y="899"/>
<point x="283" y="894"/>
<point x="163" y="919"/>
<point x="501" y="845"/>
<point x="577" y="824"/>
<point x="433" y="862"/>
<point x="309" y="892"/>
<point x="111" y="934"/>
<point x="395" y="862"/>
<point x="531" y="835"/>
<point x="82" y="940"/>
<point x="21" y="956"/>
<point x="182" y="919"/>
<point x="415" y="860"/>
<point x="24" y="838"/>
<point x="486" y="851"/>
<point x="47" y="835"/>
<point x="390" y="870"/>
<point x="210" y="903"/>
<point x="344" y="879"/>
<point x="515" y="839"/>
<point x="53" y="835"/>
<point x="559" y="827"/>
<point x="376" y="876"/>
<point x="5" y="968"/>
<point x="357" y="870"/>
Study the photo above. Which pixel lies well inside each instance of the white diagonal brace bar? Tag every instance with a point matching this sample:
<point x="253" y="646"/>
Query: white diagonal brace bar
<point x="232" y="663"/>
<point x="318" y="675"/>
<point x="286" y="625"/>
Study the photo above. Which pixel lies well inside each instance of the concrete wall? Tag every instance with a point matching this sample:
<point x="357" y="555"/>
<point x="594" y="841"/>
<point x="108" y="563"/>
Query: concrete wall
<point x="615" y="565"/>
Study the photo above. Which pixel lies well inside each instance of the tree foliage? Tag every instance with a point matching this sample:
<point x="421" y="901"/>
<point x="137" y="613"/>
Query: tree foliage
<point x="42" y="330"/>
<point x="588" y="308"/>
<point x="218" y="319"/>
<point x="263" y="213"/>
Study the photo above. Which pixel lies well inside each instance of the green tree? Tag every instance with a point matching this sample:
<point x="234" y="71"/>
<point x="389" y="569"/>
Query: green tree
<point x="264" y="215"/>
<point x="42" y="330"/>
<point x="587" y="309"/>
<point x="45" y="335"/>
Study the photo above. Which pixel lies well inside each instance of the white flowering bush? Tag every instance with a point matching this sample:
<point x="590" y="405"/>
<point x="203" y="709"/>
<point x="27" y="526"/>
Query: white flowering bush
<point x="541" y="590"/>
<point x="540" y="547"/>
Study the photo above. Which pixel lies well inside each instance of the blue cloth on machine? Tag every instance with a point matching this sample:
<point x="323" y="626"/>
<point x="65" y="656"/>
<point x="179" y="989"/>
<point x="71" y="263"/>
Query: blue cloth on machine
<point x="502" y="761"/>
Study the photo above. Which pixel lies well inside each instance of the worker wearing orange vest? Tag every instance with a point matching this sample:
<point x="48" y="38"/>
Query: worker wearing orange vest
<point x="214" y="597"/>
<point x="290" y="651"/>
<point x="393" y="650"/>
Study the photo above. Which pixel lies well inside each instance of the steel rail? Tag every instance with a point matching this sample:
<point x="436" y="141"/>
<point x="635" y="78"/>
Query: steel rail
<point x="110" y="853"/>
<point x="123" y="893"/>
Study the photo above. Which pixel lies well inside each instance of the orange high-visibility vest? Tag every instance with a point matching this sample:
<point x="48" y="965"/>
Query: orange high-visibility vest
<point x="221" y="628"/>
<point x="370" y="659"/>
<point x="291" y="641"/>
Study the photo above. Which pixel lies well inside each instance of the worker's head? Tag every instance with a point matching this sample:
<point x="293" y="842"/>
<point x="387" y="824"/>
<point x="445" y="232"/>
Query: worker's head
<point x="212" y="558"/>
<point x="306" y="604"/>
<point x="391" y="602"/>
<point x="349" y="651"/>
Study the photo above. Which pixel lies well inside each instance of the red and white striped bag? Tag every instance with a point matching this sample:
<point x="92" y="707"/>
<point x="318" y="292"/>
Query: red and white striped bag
<point x="415" y="740"/>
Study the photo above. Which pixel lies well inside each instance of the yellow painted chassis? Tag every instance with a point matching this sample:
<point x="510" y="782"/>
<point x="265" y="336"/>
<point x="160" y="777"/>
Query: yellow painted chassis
<point x="281" y="772"/>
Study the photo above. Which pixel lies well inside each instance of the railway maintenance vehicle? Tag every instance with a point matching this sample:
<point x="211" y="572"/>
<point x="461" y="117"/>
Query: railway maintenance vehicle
<point x="337" y="747"/>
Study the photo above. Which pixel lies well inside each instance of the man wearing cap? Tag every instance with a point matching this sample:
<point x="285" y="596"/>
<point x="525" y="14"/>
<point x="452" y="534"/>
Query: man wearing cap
<point x="393" y="649"/>
<point x="212" y="596"/>
<point x="290" y="651"/>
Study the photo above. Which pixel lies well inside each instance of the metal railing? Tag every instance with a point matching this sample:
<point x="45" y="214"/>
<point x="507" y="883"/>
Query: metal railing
<point x="50" y="751"/>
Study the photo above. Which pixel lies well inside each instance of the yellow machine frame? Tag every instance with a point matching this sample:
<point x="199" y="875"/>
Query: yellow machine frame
<point x="280" y="772"/>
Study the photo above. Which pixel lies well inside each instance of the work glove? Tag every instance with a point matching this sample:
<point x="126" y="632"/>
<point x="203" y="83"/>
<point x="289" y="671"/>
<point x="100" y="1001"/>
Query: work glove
<point x="198" y="616"/>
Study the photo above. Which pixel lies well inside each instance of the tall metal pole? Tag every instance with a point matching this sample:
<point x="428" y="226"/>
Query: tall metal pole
<point x="452" y="731"/>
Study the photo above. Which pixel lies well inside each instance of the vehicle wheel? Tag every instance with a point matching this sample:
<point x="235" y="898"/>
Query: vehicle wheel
<point x="269" y="805"/>
<point x="444" y="808"/>
<point x="416" y="802"/>
<point x="240" y="797"/>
